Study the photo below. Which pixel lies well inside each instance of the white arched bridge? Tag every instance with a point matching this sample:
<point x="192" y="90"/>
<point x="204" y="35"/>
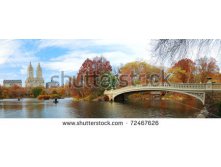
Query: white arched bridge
<point x="203" y="92"/>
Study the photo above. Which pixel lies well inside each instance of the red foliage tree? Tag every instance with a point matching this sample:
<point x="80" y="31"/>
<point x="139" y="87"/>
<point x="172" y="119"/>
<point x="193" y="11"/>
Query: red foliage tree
<point x="85" y="76"/>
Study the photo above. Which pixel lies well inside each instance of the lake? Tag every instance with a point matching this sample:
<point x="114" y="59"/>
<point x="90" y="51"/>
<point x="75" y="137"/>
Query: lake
<point x="67" y="108"/>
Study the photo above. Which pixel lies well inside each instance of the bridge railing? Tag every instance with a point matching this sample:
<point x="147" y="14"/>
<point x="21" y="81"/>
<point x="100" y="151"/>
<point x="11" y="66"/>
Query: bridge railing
<point x="216" y="86"/>
<point x="189" y="86"/>
<point x="195" y="86"/>
<point x="182" y="85"/>
<point x="204" y="86"/>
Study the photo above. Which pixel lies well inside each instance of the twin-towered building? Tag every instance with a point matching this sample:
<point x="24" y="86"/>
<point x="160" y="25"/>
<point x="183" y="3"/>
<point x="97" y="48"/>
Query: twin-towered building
<point x="32" y="81"/>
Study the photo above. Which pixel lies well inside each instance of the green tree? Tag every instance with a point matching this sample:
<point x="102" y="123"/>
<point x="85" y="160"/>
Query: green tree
<point x="108" y="81"/>
<point x="37" y="91"/>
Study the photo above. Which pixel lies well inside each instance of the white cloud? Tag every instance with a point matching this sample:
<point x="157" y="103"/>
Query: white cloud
<point x="7" y="49"/>
<point x="11" y="53"/>
<point x="68" y="62"/>
<point x="74" y="60"/>
<point x="140" y="47"/>
<point x="64" y="43"/>
<point x="127" y="50"/>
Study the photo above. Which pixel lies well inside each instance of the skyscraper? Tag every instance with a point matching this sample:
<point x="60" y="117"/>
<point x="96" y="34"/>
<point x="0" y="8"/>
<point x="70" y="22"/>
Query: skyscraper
<point x="32" y="81"/>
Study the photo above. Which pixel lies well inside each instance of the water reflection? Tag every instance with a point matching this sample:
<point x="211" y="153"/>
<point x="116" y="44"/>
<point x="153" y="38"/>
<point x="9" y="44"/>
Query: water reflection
<point x="67" y="108"/>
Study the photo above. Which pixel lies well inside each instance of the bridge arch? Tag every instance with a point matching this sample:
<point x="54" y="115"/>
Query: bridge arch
<point x="199" y="95"/>
<point x="206" y="93"/>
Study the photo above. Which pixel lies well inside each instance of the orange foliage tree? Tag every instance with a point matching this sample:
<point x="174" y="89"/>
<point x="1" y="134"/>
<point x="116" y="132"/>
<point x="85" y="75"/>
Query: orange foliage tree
<point x="1" y="91"/>
<point x="140" y="71"/>
<point x="183" y="71"/>
<point x="13" y="92"/>
<point x="206" y="67"/>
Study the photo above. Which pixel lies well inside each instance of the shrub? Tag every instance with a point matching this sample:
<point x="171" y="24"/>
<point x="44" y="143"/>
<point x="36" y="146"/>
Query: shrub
<point x="106" y="98"/>
<point x="55" y="96"/>
<point x="43" y="97"/>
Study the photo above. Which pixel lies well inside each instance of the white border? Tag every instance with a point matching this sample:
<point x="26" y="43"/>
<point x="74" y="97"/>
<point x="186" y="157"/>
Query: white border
<point x="44" y="142"/>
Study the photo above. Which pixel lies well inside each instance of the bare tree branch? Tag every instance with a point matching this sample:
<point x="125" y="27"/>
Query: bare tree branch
<point x="173" y="49"/>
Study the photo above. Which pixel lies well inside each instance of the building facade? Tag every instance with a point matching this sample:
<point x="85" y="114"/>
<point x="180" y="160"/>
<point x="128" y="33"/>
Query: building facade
<point x="52" y="84"/>
<point x="32" y="81"/>
<point x="10" y="83"/>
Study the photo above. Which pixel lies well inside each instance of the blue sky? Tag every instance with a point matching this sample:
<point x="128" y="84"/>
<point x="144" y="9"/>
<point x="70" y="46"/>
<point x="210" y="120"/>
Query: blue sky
<point x="64" y="55"/>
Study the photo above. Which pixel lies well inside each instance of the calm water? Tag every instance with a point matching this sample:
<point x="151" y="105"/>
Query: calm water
<point x="67" y="108"/>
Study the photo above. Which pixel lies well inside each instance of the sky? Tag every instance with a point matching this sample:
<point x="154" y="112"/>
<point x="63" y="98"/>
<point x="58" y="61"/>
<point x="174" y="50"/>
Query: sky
<point x="65" y="55"/>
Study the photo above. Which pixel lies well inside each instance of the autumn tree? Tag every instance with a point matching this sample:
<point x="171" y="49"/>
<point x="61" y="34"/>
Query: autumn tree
<point x="1" y="91"/>
<point x="217" y="78"/>
<point x="88" y="77"/>
<point x="136" y="72"/>
<point x="14" y="91"/>
<point x="183" y="71"/>
<point x="206" y="67"/>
